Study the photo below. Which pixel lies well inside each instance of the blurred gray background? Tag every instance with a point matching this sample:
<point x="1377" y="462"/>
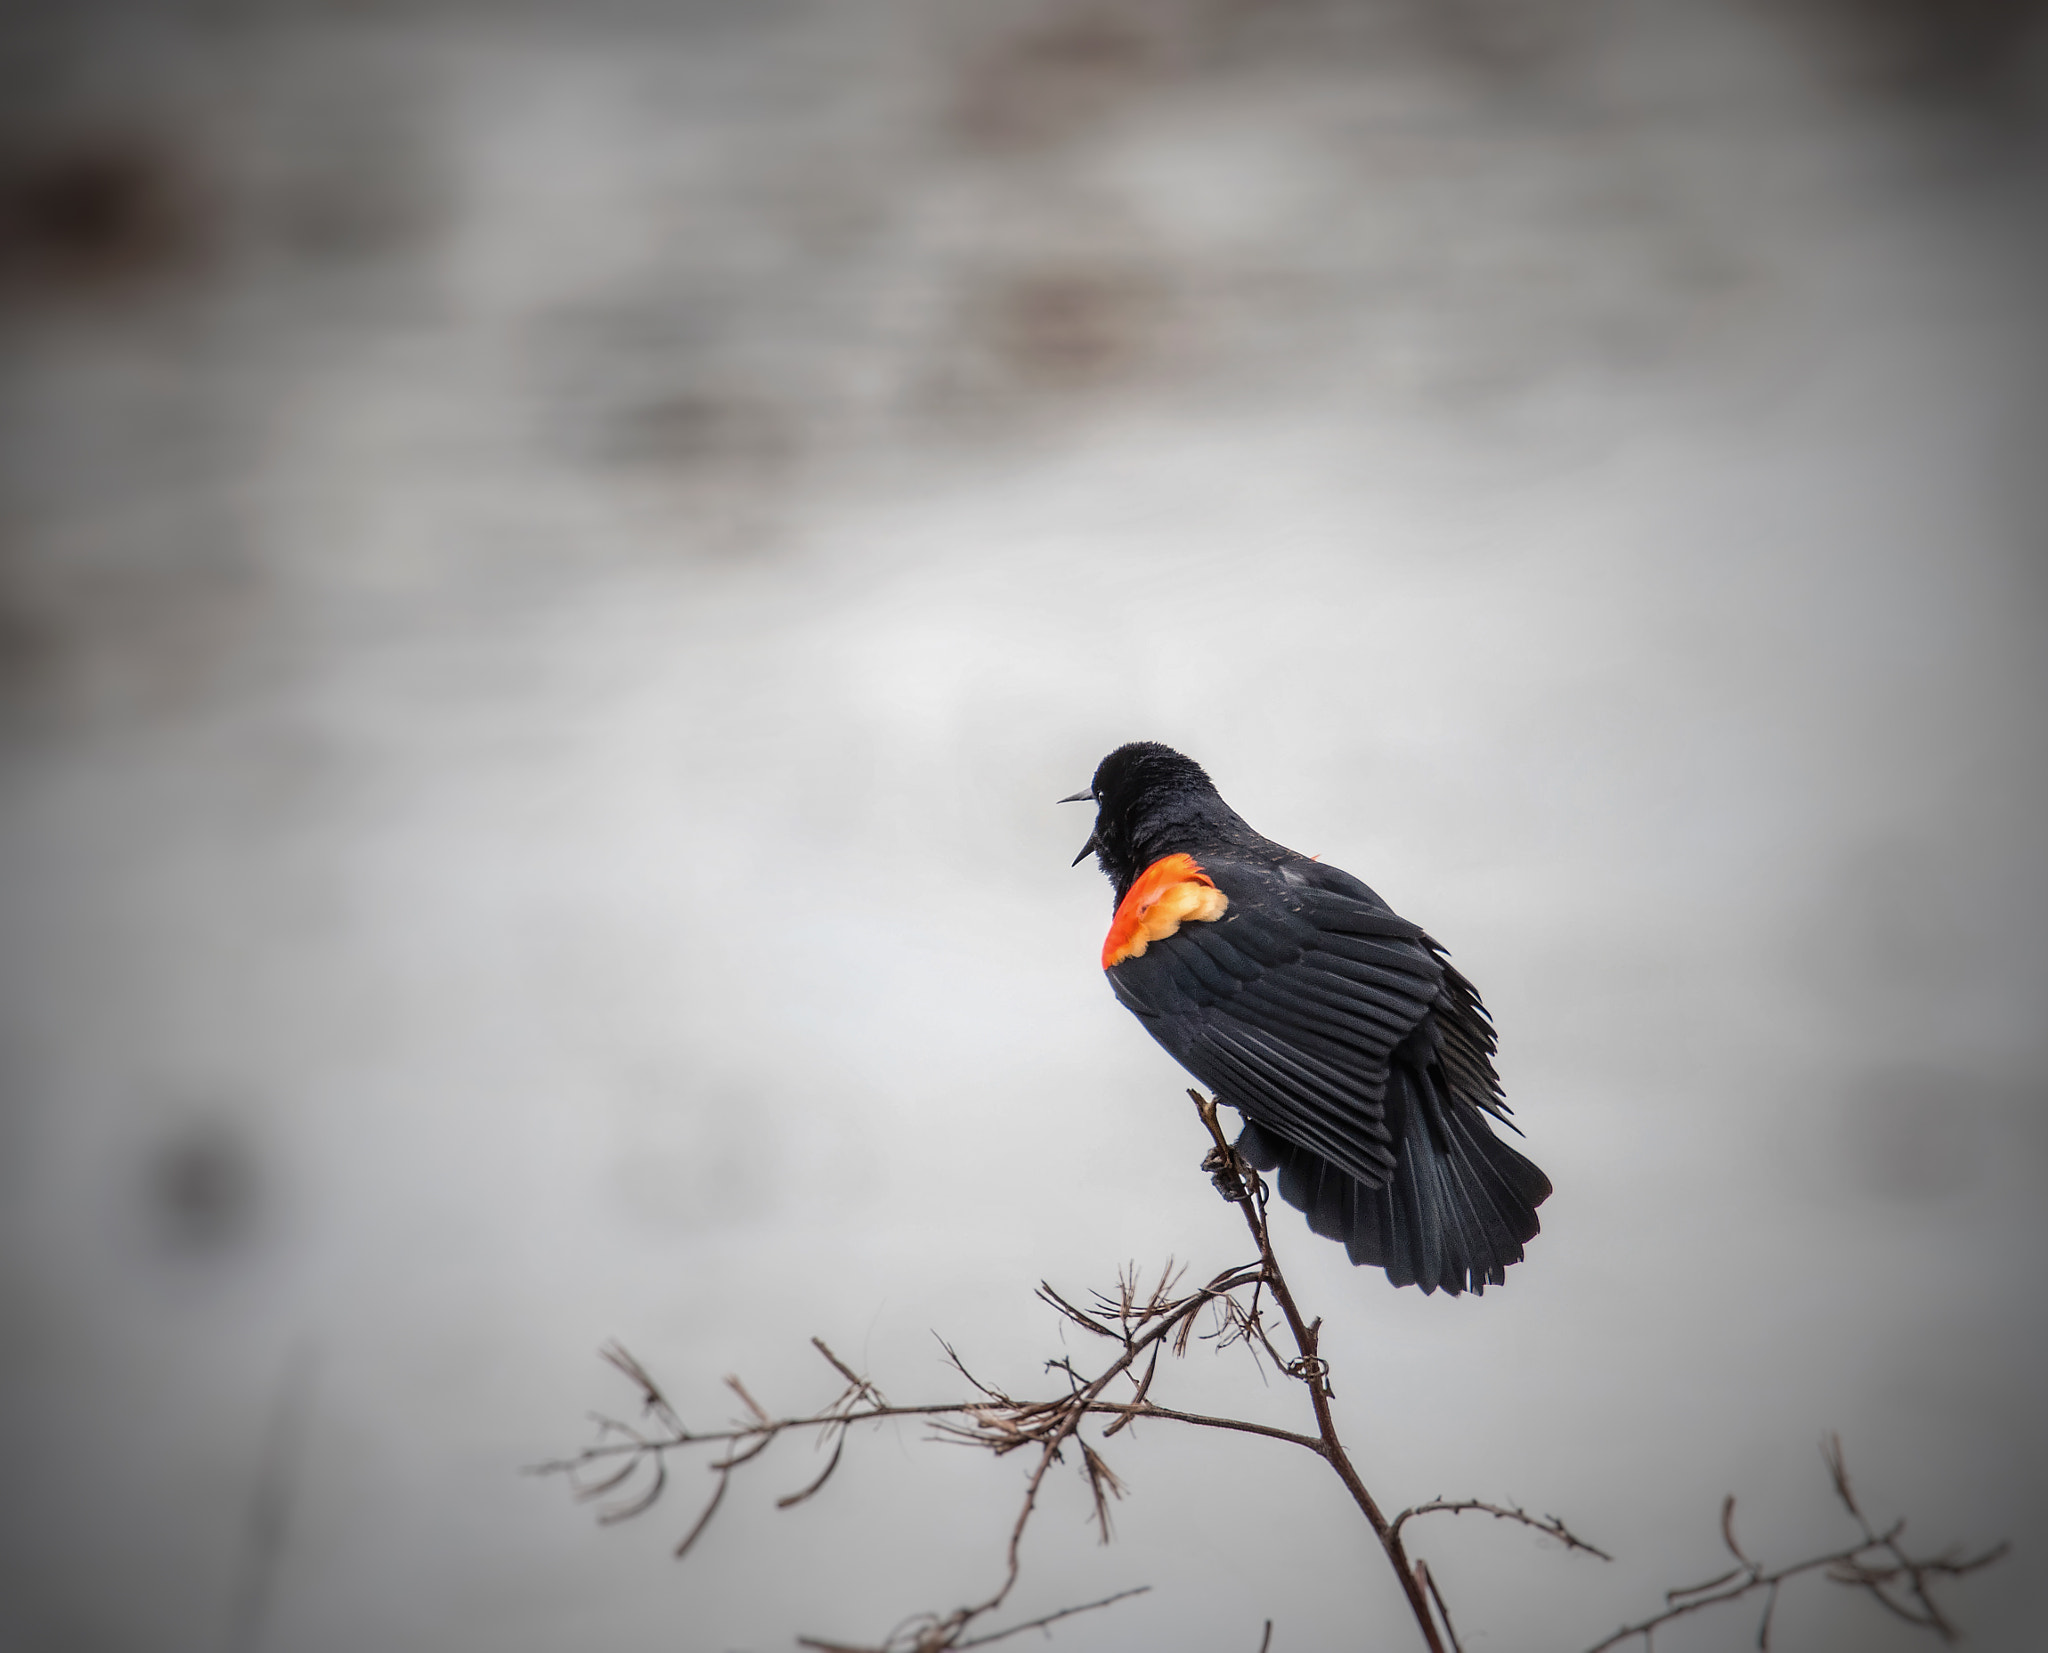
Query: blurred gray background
<point x="553" y="563"/>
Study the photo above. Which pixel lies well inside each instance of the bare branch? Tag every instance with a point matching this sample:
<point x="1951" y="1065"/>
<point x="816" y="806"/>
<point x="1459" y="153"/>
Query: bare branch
<point x="1141" y="1324"/>
<point x="1728" y="1531"/>
<point x="1052" y="1618"/>
<point x="1698" y="1589"/>
<point x="696" y="1532"/>
<point x="653" y="1399"/>
<point x="1238" y="1182"/>
<point x="1079" y="1317"/>
<point x="1102" y="1485"/>
<point x="1875" y="1565"/>
<point x="612" y="1515"/>
<point x="740" y="1389"/>
<point x="841" y="1367"/>
<point x="953" y="1359"/>
<point x="1138" y="1400"/>
<point x="796" y="1498"/>
<point x="618" y="1477"/>
<point x="1443" y="1612"/>
<point x="1549" y="1525"/>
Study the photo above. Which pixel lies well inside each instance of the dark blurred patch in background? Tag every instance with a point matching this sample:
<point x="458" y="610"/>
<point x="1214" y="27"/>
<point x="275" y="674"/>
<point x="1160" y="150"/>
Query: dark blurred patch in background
<point x="551" y="563"/>
<point x="103" y="213"/>
<point x="203" y="1187"/>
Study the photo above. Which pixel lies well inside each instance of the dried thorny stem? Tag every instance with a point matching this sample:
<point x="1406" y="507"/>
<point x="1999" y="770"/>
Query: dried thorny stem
<point x="1549" y="1525"/>
<point x="626" y="1469"/>
<point x="1878" y="1565"/>
<point x="1237" y="1182"/>
<point x="1138" y="1323"/>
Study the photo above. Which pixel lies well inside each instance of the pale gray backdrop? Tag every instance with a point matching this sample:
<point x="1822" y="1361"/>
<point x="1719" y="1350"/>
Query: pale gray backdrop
<point x="555" y="563"/>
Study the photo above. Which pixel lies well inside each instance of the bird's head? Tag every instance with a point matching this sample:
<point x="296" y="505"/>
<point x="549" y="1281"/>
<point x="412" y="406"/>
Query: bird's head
<point x="1145" y="794"/>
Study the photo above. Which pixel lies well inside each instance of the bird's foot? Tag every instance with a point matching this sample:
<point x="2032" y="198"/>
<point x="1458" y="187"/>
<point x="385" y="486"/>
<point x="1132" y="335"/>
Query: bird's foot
<point x="1227" y="1172"/>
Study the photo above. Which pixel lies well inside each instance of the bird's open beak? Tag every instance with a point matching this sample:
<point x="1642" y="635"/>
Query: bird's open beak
<point x="1085" y="796"/>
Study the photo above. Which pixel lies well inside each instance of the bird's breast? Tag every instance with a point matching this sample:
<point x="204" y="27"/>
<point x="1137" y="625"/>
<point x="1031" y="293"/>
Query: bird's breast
<point x="1171" y="892"/>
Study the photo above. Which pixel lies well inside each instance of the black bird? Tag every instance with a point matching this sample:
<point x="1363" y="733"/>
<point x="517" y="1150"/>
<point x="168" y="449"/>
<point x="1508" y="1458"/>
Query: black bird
<point x="1361" y="1061"/>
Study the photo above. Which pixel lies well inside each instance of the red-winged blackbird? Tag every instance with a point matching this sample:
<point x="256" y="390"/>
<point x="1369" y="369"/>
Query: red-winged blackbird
<point x="1361" y="1061"/>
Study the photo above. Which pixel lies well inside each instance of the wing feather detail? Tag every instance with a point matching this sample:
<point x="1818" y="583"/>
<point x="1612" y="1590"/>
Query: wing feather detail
<point x="1291" y="1006"/>
<point x="1311" y="1104"/>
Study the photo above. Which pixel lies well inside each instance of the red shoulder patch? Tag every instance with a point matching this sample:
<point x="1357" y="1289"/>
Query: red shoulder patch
<point x="1170" y="892"/>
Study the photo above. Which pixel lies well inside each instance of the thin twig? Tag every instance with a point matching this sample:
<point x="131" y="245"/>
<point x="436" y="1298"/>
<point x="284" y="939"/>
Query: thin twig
<point x="1052" y="1618"/>
<point x="1550" y="1526"/>
<point x="1138" y="1400"/>
<point x="796" y="1498"/>
<point x="840" y="1366"/>
<point x="1876" y="1565"/>
<point x="1437" y="1596"/>
<point x="704" y="1520"/>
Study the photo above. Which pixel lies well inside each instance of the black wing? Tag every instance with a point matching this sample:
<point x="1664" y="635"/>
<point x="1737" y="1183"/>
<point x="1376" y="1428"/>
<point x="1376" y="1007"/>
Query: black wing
<point x="1291" y="1006"/>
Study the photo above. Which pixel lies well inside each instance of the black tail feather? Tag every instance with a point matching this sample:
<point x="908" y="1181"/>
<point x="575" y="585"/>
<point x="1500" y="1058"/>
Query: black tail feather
<point x="1456" y="1212"/>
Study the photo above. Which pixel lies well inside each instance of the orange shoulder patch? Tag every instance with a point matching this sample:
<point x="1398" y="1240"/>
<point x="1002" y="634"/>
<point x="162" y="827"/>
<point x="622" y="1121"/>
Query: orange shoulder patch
<point x="1171" y="892"/>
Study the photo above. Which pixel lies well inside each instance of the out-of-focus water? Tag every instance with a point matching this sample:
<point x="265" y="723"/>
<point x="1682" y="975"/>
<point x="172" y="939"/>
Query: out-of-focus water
<point x="553" y="565"/>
